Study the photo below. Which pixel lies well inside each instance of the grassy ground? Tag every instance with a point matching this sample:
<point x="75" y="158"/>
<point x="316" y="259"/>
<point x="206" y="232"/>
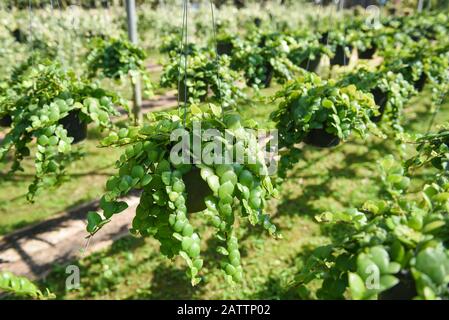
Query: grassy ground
<point x="323" y="180"/>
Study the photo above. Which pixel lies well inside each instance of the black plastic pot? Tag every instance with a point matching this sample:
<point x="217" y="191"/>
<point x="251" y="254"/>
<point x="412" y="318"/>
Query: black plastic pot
<point x="19" y="35"/>
<point x="324" y="38"/>
<point x="368" y="53"/>
<point x="258" y="22"/>
<point x="6" y="121"/>
<point x="197" y="189"/>
<point x="224" y="48"/>
<point x="76" y="128"/>
<point x="321" y="139"/>
<point x="381" y="99"/>
<point x="311" y="65"/>
<point x="404" y="290"/>
<point x="269" y="75"/>
<point x="421" y="82"/>
<point x="340" y="58"/>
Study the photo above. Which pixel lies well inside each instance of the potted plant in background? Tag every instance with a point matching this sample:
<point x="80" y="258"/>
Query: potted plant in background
<point x="390" y="91"/>
<point x="320" y="113"/>
<point x="118" y="59"/>
<point x="204" y="73"/>
<point x="340" y="47"/>
<point x="363" y="37"/>
<point x="262" y="57"/>
<point x="307" y="51"/>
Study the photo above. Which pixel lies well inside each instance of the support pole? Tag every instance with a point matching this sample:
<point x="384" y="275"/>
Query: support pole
<point x="132" y="35"/>
<point x="420" y="5"/>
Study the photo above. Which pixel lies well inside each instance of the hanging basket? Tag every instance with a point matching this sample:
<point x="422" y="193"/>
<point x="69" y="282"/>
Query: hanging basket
<point x="321" y="139"/>
<point x="311" y="65"/>
<point x="380" y="98"/>
<point x="6" y="121"/>
<point x="404" y="290"/>
<point x="76" y="128"/>
<point x="421" y="82"/>
<point x="197" y="190"/>
<point x="340" y="58"/>
<point x="367" y="53"/>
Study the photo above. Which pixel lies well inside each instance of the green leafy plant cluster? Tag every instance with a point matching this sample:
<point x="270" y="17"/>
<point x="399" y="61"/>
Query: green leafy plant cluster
<point x="398" y="91"/>
<point x="118" y="59"/>
<point x="163" y="211"/>
<point x="392" y="248"/>
<point x="45" y="96"/>
<point x="310" y="103"/>
<point x="204" y="73"/>
<point x="263" y="56"/>
<point x="306" y="47"/>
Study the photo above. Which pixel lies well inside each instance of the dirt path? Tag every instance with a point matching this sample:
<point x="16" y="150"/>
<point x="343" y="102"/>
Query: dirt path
<point x="32" y="251"/>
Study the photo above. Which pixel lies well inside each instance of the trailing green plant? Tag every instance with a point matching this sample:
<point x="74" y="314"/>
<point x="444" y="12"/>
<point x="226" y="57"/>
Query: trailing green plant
<point x="173" y="46"/>
<point x="396" y="89"/>
<point x="21" y="287"/>
<point x="362" y="35"/>
<point x="432" y="148"/>
<point x="47" y="95"/>
<point x="204" y="73"/>
<point x="398" y="241"/>
<point x="310" y="103"/>
<point x="306" y="48"/>
<point x="118" y="59"/>
<point x="263" y="56"/>
<point x="235" y="192"/>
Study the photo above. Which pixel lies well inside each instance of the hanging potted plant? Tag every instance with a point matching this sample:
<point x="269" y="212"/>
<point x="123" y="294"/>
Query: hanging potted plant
<point x="363" y="37"/>
<point x="340" y="47"/>
<point x="118" y="59"/>
<point x="204" y="74"/>
<point x="307" y="52"/>
<point x="408" y="60"/>
<point x="163" y="160"/>
<point x="225" y="43"/>
<point x="393" y="248"/>
<point x="172" y="45"/>
<point x="390" y="92"/>
<point x="320" y="113"/>
<point x="262" y="58"/>
<point x="46" y="98"/>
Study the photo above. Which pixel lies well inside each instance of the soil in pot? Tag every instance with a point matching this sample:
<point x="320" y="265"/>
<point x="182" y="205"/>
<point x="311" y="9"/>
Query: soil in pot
<point x="404" y="290"/>
<point x="76" y="128"/>
<point x="340" y="58"/>
<point x="367" y="53"/>
<point x="5" y="121"/>
<point x="321" y="139"/>
<point x="224" y="48"/>
<point x="380" y="98"/>
<point x="420" y="83"/>
<point x="197" y="189"/>
<point x="311" y="65"/>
